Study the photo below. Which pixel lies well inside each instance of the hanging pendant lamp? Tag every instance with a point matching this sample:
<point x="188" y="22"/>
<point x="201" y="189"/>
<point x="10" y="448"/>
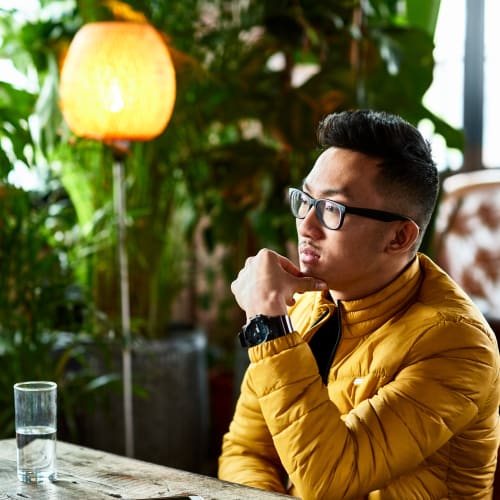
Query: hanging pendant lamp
<point x="117" y="82"/>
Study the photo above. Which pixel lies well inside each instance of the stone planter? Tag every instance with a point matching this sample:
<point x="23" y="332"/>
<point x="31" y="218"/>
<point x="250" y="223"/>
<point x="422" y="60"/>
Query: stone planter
<point x="171" y="406"/>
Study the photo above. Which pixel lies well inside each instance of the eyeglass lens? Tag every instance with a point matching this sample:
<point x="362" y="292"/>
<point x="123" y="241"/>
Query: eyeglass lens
<point x="328" y="212"/>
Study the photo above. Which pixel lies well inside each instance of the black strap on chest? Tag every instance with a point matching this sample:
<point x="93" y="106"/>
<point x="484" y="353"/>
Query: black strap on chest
<point x="324" y="344"/>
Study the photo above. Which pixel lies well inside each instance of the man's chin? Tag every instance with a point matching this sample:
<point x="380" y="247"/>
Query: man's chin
<point x="311" y="271"/>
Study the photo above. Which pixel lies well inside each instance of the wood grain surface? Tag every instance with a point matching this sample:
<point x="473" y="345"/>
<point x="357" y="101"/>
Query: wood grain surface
<point x="84" y="473"/>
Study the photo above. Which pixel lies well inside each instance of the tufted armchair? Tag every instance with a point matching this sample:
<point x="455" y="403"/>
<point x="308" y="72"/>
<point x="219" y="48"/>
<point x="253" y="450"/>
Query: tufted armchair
<point x="467" y="241"/>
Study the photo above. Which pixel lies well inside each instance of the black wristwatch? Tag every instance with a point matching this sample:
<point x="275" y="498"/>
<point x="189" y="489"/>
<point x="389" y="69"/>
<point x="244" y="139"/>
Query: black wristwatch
<point x="261" y="328"/>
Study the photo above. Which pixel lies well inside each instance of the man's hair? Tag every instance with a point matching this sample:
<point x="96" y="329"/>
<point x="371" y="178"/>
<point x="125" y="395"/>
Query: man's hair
<point x="408" y="175"/>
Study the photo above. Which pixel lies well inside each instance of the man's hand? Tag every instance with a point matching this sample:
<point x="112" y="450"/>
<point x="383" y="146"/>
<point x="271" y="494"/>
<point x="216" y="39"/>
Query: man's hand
<point x="267" y="283"/>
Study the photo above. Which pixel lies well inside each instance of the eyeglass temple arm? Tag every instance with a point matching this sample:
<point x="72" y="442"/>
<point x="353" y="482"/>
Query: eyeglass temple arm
<point x="376" y="214"/>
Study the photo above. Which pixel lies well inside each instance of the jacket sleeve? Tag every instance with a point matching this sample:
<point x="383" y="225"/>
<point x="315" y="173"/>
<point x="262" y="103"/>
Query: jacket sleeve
<point x="248" y="454"/>
<point x="328" y="455"/>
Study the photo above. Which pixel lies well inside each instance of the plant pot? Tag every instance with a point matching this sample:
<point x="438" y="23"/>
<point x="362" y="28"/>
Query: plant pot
<point x="170" y="403"/>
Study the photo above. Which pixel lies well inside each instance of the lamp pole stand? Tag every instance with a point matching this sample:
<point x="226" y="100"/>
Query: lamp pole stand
<point x="120" y="210"/>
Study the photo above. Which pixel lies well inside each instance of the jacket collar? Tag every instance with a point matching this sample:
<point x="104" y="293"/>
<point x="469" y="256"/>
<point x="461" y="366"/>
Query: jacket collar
<point x="361" y="316"/>
<point x="365" y="315"/>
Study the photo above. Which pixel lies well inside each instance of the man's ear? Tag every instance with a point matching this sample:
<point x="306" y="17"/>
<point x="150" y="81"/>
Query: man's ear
<point x="404" y="236"/>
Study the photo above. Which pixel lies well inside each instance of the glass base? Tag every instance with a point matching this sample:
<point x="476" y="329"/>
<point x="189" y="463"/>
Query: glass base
<point x="29" y="476"/>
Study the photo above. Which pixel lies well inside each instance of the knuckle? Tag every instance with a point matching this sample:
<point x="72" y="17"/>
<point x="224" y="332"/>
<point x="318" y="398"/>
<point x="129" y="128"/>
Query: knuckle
<point x="265" y="254"/>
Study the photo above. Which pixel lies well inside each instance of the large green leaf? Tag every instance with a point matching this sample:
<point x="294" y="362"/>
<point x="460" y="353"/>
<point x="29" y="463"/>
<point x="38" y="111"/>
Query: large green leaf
<point x="423" y="14"/>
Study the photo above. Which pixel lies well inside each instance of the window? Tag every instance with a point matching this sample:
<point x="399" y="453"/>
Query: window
<point x="474" y="106"/>
<point x="491" y="105"/>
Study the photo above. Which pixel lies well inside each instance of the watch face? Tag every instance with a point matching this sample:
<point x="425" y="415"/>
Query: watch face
<point x="257" y="332"/>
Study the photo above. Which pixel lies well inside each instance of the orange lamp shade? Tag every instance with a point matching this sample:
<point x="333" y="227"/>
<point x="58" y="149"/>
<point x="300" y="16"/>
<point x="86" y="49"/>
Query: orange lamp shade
<point x="117" y="82"/>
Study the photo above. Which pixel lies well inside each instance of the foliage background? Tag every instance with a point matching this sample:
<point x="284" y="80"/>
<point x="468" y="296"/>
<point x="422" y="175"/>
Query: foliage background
<point x="254" y="78"/>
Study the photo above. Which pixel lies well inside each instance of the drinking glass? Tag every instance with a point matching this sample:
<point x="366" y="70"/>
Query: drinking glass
<point x="36" y="428"/>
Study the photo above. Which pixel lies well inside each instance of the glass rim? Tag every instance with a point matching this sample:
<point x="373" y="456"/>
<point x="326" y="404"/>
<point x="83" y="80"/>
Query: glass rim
<point x="35" y="385"/>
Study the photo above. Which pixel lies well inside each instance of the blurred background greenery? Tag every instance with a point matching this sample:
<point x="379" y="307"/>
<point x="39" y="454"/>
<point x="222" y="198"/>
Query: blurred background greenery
<point x="254" y="77"/>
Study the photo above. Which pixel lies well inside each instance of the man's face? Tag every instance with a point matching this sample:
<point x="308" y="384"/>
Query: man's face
<point x="353" y="259"/>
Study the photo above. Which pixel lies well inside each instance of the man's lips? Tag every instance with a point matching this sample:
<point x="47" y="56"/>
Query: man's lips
<point x="308" y="254"/>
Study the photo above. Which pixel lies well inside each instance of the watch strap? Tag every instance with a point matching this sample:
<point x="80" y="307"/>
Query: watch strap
<point x="280" y="326"/>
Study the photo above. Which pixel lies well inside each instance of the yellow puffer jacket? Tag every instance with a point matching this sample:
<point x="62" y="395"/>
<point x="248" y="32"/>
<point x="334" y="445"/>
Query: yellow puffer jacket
<point x="410" y="410"/>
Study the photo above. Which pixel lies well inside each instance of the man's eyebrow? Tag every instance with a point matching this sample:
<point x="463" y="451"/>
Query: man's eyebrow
<point x="326" y="192"/>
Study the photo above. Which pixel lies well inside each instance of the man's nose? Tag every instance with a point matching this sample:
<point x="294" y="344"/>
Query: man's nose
<point x="310" y="224"/>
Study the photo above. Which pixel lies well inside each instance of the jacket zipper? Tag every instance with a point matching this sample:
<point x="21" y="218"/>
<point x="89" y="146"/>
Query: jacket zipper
<point x="335" y="345"/>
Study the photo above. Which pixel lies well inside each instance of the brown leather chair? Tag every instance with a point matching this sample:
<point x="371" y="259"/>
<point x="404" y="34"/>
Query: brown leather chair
<point x="467" y="237"/>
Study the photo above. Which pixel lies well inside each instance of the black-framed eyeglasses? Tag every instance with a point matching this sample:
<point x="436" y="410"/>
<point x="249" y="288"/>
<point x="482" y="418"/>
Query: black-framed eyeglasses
<point x="331" y="213"/>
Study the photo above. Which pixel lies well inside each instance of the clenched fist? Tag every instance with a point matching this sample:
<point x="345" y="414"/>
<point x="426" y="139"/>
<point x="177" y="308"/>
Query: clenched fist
<point x="268" y="282"/>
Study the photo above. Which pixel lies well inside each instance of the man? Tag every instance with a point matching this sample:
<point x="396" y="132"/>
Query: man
<point x="372" y="374"/>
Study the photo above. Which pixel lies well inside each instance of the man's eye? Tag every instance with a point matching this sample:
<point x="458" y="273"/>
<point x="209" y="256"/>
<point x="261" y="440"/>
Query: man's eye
<point x="330" y="207"/>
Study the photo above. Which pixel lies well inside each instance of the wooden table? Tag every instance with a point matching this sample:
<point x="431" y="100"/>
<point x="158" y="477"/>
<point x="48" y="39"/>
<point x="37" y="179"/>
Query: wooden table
<point x="84" y="473"/>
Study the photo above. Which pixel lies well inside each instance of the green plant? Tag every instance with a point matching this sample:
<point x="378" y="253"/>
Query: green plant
<point x="254" y="79"/>
<point x="42" y="310"/>
<point x="15" y="106"/>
